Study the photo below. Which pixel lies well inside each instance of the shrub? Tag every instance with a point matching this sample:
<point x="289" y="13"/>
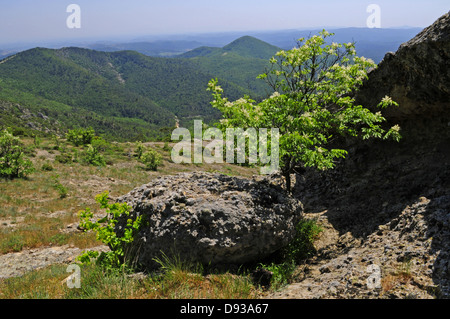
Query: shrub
<point x="80" y="136"/>
<point x="12" y="161"/>
<point x="299" y="249"/>
<point x="62" y="190"/>
<point x="47" y="167"/>
<point x="152" y="159"/>
<point x="100" y="144"/>
<point x="302" y="246"/>
<point x="105" y="228"/>
<point x="64" y="158"/>
<point x="139" y="149"/>
<point x="166" y="147"/>
<point x="92" y="157"/>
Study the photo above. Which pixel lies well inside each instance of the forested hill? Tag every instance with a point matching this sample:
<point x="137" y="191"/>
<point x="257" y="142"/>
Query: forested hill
<point x="241" y="61"/>
<point x="126" y="94"/>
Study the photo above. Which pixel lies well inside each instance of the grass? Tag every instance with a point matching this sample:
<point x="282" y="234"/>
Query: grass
<point x="177" y="281"/>
<point x="400" y="277"/>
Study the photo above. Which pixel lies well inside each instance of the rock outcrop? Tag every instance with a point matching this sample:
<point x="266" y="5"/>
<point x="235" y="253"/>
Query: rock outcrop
<point x="417" y="76"/>
<point x="212" y="218"/>
<point x="387" y="203"/>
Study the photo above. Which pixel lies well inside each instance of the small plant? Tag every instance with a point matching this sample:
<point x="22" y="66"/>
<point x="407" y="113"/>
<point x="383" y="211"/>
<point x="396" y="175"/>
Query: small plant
<point x="47" y="167"/>
<point x="152" y="159"/>
<point x="93" y="157"/>
<point x="37" y="141"/>
<point x="105" y="228"/>
<point x="62" y="190"/>
<point x="100" y="144"/>
<point x="80" y="136"/>
<point x="64" y="158"/>
<point x="166" y="147"/>
<point x="300" y="248"/>
<point x="139" y="149"/>
<point x="56" y="141"/>
<point x="12" y="161"/>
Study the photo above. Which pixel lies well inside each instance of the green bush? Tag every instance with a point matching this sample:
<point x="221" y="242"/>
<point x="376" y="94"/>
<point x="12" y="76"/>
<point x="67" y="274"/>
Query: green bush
<point x="166" y="147"/>
<point x="92" y="157"/>
<point x="299" y="249"/>
<point x="12" y="161"/>
<point x="80" y="136"/>
<point x="100" y="144"/>
<point x="152" y="159"/>
<point x="139" y="149"/>
<point x="62" y="190"/>
<point x="118" y="256"/>
<point x="64" y="158"/>
<point x="302" y="246"/>
<point x="47" y="167"/>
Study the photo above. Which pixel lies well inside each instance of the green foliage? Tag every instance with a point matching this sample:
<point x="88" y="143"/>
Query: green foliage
<point x="100" y="144"/>
<point x="299" y="249"/>
<point x="81" y="136"/>
<point x="62" y="190"/>
<point x="281" y="273"/>
<point x="37" y="141"/>
<point x="166" y="147"/>
<point x="310" y="104"/>
<point x="152" y="159"/>
<point x="47" y="167"/>
<point x="64" y="158"/>
<point x="91" y="156"/>
<point x="139" y="149"/>
<point x="302" y="246"/>
<point x="12" y="161"/>
<point x="106" y="232"/>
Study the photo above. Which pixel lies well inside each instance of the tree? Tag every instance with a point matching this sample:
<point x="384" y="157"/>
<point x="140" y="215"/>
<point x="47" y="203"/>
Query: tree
<point x="81" y="136"/>
<point x="311" y="104"/>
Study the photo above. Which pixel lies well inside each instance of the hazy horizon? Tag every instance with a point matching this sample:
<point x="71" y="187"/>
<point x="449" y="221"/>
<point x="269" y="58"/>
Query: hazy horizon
<point x="44" y="21"/>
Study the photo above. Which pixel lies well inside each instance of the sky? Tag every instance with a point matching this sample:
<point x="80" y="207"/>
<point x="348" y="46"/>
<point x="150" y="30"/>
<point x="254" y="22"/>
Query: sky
<point x="46" y="20"/>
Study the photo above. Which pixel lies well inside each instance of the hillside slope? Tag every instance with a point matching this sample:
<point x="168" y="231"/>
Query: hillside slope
<point x="122" y="94"/>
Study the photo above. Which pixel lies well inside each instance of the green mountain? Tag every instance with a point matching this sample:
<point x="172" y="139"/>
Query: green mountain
<point x="252" y="48"/>
<point x="246" y="46"/>
<point x="124" y="95"/>
<point x="241" y="62"/>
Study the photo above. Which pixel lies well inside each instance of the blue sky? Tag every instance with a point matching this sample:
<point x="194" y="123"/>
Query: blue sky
<point x="39" y="20"/>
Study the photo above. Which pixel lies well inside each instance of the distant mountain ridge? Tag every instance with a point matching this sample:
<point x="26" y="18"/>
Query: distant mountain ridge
<point x="125" y="94"/>
<point x="371" y="43"/>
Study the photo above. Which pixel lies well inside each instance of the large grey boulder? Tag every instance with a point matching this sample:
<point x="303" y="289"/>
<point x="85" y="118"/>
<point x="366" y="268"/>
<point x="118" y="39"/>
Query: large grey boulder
<point x="212" y="218"/>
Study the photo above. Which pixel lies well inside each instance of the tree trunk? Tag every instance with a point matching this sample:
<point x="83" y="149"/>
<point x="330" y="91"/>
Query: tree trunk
<point x="287" y="176"/>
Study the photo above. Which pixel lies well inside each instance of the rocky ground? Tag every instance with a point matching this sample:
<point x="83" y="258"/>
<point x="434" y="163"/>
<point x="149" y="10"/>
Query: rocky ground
<point x="405" y="258"/>
<point x="19" y="263"/>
